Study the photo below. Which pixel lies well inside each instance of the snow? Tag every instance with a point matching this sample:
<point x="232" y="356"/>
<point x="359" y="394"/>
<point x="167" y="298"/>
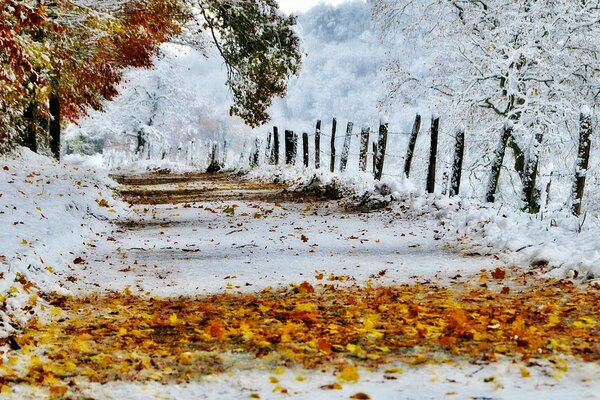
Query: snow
<point x="51" y="213"/>
<point x="48" y="213"/>
<point x="501" y="380"/>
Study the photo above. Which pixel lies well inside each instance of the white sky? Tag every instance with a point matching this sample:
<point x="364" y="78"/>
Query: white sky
<point x="290" y="6"/>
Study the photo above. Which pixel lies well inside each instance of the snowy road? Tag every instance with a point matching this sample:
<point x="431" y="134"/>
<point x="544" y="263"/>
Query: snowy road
<point x="224" y="236"/>
<point x="254" y="236"/>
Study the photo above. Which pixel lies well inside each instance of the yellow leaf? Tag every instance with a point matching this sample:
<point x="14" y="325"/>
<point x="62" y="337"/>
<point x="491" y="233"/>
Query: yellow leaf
<point x="280" y="389"/>
<point x="280" y="371"/>
<point x="122" y="331"/>
<point x="24" y="242"/>
<point x="56" y="311"/>
<point x="394" y="371"/>
<point x="525" y="373"/>
<point x="349" y="374"/>
<point x="173" y="319"/>
<point x="300" y="378"/>
<point x="584" y="323"/>
<point x="306" y="307"/>
<point x="273" y="379"/>
<point x="185" y="358"/>
<point x="5" y="390"/>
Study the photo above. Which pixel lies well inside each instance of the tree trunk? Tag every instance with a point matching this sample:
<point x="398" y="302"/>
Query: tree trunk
<point x="531" y="194"/>
<point x="435" y="130"/>
<point x="30" y="139"/>
<point x="583" y="159"/>
<point x="459" y="155"/>
<point x="55" y="129"/>
<point x="497" y="164"/>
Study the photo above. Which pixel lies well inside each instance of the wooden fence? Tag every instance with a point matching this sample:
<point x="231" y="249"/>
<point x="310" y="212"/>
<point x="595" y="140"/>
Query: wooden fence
<point x="526" y="167"/>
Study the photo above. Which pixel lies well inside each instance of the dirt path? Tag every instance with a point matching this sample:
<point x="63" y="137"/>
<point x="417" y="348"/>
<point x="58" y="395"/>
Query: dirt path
<point x="222" y="288"/>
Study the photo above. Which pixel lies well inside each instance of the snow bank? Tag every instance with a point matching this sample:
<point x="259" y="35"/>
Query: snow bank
<point x="559" y="244"/>
<point x="48" y="213"/>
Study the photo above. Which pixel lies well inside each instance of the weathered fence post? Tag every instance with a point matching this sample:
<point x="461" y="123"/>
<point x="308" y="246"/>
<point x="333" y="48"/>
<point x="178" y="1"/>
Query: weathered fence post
<point x="583" y="159"/>
<point x="497" y="164"/>
<point x="318" y="145"/>
<point x="364" y="148"/>
<point x="346" y="149"/>
<point x="305" y="149"/>
<point x="459" y="156"/>
<point x="531" y="194"/>
<point x="294" y="147"/>
<point x="381" y="148"/>
<point x="290" y="156"/>
<point x="374" y="158"/>
<point x="268" y="147"/>
<point x="412" y="143"/>
<point x="332" y="157"/>
<point x="435" y="131"/>
<point x="275" y="153"/>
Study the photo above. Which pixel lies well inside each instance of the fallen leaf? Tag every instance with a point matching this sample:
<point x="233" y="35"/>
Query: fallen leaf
<point x="498" y="274"/>
<point x="349" y="374"/>
<point x="360" y="396"/>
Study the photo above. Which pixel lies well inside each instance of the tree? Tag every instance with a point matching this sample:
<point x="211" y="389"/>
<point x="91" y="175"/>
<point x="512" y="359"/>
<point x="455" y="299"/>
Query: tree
<point x="531" y="64"/>
<point x="71" y="56"/>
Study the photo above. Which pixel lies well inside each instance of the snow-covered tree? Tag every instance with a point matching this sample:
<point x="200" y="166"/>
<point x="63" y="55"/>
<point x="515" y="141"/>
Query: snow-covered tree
<point x="531" y="64"/>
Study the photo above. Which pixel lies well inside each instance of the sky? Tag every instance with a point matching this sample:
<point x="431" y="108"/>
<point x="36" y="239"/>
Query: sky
<point x="290" y="6"/>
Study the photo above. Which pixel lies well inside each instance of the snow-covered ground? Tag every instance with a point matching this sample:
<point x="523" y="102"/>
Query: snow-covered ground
<point x="246" y="239"/>
<point x="49" y="213"/>
<point x="502" y="380"/>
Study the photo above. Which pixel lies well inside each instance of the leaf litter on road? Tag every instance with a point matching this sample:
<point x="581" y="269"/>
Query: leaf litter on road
<point x="126" y="337"/>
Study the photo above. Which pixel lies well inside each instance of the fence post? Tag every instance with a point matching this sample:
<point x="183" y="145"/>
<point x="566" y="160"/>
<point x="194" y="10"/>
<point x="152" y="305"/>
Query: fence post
<point x="294" y="147"/>
<point x="412" y="143"/>
<point x="275" y="152"/>
<point x="268" y="147"/>
<point x="459" y="156"/>
<point x="374" y="158"/>
<point x="381" y="146"/>
<point x="318" y="145"/>
<point x="583" y="159"/>
<point x="332" y="158"/>
<point x="289" y="148"/>
<point x="305" y="148"/>
<point x="364" y="148"/>
<point x="346" y="149"/>
<point x="435" y="131"/>
<point x="497" y="164"/>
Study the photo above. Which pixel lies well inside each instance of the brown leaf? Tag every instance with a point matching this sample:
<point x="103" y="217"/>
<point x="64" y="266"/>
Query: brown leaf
<point x="78" y="260"/>
<point x="499" y="274"/>
<point x="360" y="396"/>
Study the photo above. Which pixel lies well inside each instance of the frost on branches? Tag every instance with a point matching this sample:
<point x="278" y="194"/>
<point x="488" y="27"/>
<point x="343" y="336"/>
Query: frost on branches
<point x="532" y="64"/>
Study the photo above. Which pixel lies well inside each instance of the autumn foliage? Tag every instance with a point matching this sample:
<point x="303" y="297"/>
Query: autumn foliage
<point x="63" y="57"/>
<point x="332" y="325"/>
